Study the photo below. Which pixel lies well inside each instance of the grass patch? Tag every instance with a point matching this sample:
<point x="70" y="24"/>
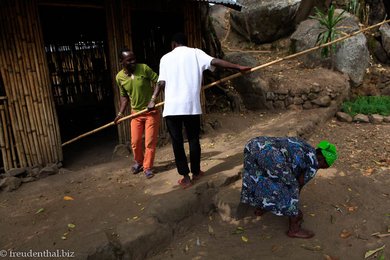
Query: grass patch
<point x="368" y="105"/>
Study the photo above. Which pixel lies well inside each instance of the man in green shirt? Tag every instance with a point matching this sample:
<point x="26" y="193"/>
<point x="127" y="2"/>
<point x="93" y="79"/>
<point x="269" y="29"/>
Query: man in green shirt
<point x="136" y="82"/>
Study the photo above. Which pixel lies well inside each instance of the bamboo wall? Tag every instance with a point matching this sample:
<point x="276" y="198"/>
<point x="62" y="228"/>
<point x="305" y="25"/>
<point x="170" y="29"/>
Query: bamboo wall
<point x="119" y="35"/>
<point x="32" y="131"/>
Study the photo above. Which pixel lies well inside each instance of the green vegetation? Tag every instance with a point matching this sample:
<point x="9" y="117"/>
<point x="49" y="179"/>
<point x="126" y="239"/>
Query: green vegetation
<point x="359" y="9"/>
<point x="353" y="7"/>
<point x="328" y="22"/>
<point x="368" y="105"/>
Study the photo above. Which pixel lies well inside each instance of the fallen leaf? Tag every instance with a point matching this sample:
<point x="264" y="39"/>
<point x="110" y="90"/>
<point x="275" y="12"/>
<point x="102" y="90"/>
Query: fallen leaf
<point x="379" y="235"/>
<point x="368" y="172"/>
<point x="40" y="210"/>
<point x="239" y="230"/>
<point x="63" y="238"/>
<point x="70" y="225"/>
<point x="351" y="209"/>
<point x="135" y="217"/>
<point x="68" y="198"/>
<point x="345" y="234"/>
<point x="372" y="252"/>
<point x="244" y="238"/>
<point x="311" y="248"/>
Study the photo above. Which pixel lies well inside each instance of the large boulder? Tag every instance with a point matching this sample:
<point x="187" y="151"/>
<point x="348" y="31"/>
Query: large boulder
<point x="265" y="21"/>
<point x="385" y="37"/>
<point x="250" y="87"/>
<point x="351" y="56"/>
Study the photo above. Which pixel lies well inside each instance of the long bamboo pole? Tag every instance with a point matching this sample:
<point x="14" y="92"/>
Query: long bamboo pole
<point x="237" y="75"/>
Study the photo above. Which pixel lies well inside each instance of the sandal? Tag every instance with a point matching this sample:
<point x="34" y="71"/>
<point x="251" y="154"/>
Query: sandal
<point x="149" y="174"/>
<point x="136" y="168"/>
<point x="184" y="184"/>
<point x="198" y="176"/>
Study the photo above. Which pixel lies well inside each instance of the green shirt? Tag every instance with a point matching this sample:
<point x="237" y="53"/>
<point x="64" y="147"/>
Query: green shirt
<point x="138" y="86"/>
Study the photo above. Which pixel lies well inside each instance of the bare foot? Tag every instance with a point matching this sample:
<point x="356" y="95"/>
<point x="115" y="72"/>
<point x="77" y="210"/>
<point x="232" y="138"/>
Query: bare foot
<point x="301" y="233"/>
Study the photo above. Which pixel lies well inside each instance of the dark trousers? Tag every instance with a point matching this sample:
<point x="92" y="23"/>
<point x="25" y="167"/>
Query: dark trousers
<point x="192" y="127"/>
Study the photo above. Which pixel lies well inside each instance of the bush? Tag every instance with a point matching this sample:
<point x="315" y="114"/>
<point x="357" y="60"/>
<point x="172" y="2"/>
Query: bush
<point x="368" y="105"/>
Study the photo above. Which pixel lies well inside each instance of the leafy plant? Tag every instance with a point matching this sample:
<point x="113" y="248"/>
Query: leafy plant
<point x="368" y="105"/>
<point x="353" y="7"/>
<point x="328" y="22"/>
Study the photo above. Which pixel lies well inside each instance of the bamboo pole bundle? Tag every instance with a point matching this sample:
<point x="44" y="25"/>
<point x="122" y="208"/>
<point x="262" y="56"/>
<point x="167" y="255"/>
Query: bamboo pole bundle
<point x="25" y="81"/>
<point x="35" y="78"/>
<point x="10" y="77"/>
<point x="22" y="93"/>
<point x="29" y="90"/>
<point x="52" y="135"/>
<point x="4" y="138"/>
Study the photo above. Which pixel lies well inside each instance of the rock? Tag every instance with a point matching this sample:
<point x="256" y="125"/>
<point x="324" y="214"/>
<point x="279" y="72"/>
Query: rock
<point x="265" y="21"/>
<point x="307" y="105"/>
<point x="33" y="172"/>
<point x="344" y="117"/>
<point x="352" y="55"/>
<point x="251" y="87"/>
<point x="279" y="105"/>
<point x="10" y="183"/>
<point x="121" y="150"/>
<point x="386" y="119"/>
<point x="28" y="179"/>
<point x="50" y="169"/>
<point x="375" y="119"/>
<point x="15" y="172"/>
<point x="385" y="37"/>
<point x="361" y="118"/>
<point x="323" y="101"/>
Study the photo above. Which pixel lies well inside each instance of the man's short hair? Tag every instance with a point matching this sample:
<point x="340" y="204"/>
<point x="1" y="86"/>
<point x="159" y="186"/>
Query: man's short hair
<point x="124" y="49"/>
<point x="180" y="38"/>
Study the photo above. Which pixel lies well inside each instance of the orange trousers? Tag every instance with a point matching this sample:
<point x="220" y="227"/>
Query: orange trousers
<point x="147" y="123"/>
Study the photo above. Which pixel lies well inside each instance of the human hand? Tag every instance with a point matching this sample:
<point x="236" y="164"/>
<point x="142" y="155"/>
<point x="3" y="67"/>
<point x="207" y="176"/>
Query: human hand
<point x="151" y="105"/>
<point x="119" y="116"/>
<point x="244" y="68"/>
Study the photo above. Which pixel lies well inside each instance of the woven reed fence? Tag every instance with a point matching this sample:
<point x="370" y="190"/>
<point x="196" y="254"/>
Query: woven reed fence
<point x="78" y="70"/>
<point x="32" y="124"/>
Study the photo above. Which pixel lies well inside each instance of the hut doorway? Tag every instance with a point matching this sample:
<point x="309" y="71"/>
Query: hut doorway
<point x="152" y="36"/>
<point x="77" y="54"/>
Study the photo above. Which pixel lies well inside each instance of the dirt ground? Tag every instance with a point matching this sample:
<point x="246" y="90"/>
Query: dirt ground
<point x="94" y="192"/>
<point x="344" y="207"/>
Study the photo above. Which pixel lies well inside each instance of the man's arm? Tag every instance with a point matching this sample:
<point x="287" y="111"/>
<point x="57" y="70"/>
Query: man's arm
<point x="124" y="102"/>
<point x="159" y="86"/>
<point x="228" y="65"/>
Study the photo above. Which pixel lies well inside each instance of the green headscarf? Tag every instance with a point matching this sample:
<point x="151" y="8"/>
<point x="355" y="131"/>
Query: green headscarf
<point x="328" y="151"/>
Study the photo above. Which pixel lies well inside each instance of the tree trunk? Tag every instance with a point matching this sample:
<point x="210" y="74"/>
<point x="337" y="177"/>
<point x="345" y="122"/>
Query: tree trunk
<point x="377" y="11"/>
<point x="307" y="6"/>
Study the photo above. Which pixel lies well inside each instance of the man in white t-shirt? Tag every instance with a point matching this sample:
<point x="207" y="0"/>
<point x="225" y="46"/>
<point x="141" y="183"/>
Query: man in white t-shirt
<point x="180" y="74"/>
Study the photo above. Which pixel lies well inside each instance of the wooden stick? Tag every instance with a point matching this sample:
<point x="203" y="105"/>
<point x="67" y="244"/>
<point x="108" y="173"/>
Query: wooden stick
<point x="237" y="75"/>
<point x="110" y="124"/>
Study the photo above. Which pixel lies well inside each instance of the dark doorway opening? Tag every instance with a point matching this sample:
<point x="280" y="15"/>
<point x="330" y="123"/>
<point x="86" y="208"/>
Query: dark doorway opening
<point x="77" y="54"/>
<point x="152" y="36"/>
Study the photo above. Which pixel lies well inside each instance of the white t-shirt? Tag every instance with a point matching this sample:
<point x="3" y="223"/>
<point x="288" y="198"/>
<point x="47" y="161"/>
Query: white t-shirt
<point x="182" y="70"/>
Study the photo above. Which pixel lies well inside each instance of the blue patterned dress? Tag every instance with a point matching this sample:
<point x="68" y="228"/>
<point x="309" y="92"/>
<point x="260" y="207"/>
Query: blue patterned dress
<point x="272" y="166"/>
